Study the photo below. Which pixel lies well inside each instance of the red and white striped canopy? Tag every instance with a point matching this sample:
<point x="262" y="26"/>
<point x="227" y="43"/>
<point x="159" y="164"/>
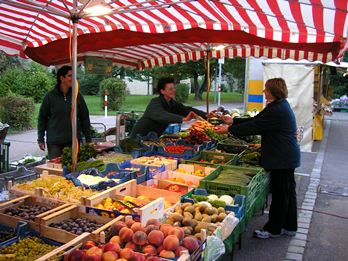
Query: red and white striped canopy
<point x="145" y="33"/>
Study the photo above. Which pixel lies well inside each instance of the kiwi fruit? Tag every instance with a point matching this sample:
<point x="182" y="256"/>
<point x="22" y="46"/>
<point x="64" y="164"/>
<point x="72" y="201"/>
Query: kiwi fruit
<point x="176" y="217"/>
<point x="221" y="217"/>
<point x="214" y="218"/>
<point x="190" y="209"/>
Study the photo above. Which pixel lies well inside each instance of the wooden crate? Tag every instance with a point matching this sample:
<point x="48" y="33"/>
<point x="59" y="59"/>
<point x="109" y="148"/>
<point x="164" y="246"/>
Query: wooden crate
<point x="169" y="174"/>
<point x="170" y="164"/>
<point x="50" y="169"/>
<point x="192" y="168"/>
<point x="73" y="211"/>
<point x="163" y="184"/>
<point x="154" y="209"/>
<point x="26" y="200"/>
<point x="78" y="241"/>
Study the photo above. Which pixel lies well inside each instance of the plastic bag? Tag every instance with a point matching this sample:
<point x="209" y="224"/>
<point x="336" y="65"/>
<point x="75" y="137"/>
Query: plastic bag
<point x="214" y="249"/>
<point x="228" y="225"/>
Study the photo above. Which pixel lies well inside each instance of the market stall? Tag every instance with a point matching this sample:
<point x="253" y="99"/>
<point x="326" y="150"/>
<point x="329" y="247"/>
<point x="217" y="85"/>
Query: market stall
<point x="143" y="35"/>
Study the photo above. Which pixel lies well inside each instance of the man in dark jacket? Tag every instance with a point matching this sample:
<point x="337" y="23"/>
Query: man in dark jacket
<point x="55" y="116"/>
<point x="280" y="154"/>
<point x="164" y="110"/>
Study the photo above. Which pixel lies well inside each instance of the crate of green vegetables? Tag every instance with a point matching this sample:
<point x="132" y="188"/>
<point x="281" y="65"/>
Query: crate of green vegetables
<point x="213" y="158"/>
<point x="233" y="145"/>
<point x="233" y="180"/>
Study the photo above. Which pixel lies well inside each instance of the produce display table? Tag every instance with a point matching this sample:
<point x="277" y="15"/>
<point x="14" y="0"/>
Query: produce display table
<point x="204" y="202"/>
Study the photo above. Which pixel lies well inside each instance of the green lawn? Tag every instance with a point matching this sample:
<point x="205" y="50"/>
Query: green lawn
<point x="139" y="102"/>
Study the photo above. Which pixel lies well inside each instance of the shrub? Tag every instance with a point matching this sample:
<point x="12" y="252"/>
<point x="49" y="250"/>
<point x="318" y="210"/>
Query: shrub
<point x="89" y="84"/>
<point x="116" y="92"/>
<point x="224" y="88"/>
<point x="34" y="81"/>
<point x="182" y="92"/>
<point x="17" y="111"/>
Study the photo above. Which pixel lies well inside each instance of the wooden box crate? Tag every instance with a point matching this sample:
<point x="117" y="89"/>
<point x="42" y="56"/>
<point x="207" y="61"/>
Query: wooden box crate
<point x="156" y="161"/>
<point x="74" y="212"/>
<point x="26" y="200"/>
<point x="176" y="177"/>
<point x="194" y="168"/>
<point x="154" y="209"/>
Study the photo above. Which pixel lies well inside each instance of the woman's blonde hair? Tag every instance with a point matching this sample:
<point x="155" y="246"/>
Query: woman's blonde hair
<point x="277" y="88"/>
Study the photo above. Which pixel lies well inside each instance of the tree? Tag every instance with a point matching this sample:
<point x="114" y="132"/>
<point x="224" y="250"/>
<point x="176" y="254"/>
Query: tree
<point x="7" y="62"/>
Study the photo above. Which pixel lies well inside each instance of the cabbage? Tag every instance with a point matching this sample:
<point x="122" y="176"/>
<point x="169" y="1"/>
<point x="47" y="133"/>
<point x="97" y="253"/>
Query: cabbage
<point x="212" y="197"/>
<point x="228" y="199"/>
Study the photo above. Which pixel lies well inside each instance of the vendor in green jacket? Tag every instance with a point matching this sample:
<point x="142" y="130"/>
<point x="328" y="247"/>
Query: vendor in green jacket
<point x="55" y="116"/>
<point x="164" y="110"/>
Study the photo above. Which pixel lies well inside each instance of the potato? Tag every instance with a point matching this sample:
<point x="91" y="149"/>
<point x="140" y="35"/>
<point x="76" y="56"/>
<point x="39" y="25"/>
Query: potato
<point x="214" y="218"/>
<point x="176" y="217"/>
<point x="190" y="209"/>
<point x="188" y="214"/>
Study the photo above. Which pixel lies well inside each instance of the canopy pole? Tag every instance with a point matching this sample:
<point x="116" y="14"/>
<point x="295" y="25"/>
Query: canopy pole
<point x="75" y="144"/>
<point x="208" y="78"/>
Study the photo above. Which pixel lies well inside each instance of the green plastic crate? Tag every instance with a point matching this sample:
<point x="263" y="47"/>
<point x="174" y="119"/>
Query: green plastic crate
<point x="227" y="158"/>
<point x="259" y="180"/>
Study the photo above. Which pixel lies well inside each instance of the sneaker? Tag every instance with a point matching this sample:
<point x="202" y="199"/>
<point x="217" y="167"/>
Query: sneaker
<point x="263" y="234"/>
<point x="288" y="233"/>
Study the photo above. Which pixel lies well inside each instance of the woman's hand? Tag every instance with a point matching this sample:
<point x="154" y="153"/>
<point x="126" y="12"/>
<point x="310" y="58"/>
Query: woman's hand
<point x="189" y="116"/>
<point x="221" y="129"/>
<point x="42" y="146"/>
<point x="227" y="119"/>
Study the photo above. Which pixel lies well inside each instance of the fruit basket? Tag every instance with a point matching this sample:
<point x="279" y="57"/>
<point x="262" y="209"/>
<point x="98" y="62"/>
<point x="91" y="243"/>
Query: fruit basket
<point x="237" y="207"/>
<point x="235" y="180"/>
<point x="168" y="186"/>
<point x="26" y="208"/>
<point x="199" y="170"/>
<point x="28" y="245"/>
<point x="156" y="161"/>
<point x="68" y="223"/>
<point x="176" y="177"/>
<point x="94" y="179"/>
<point x="139" y="201"/>
<point x="142" y="172"/>
<point x="122" y="247"/>
<point x="213" y="158"/>
<point x="52" y="189"/>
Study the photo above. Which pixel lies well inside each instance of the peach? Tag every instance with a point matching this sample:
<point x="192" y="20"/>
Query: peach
<point x="156" y="237"/>
<point x="137" y="257"/>
<point x="126" y="253"/>
<point x="153" y="221"/>
<point x="109" y="256"/>
<point x="150" y="228"/>
<point x="165" y="228"/>
<point x="159" y="249"/>
<point x="94" y="254"/>
<point x="116" y="228"/>
<point x="178" y="232"/>
<point x="139" y="238"/>
<point x="178" y="250"/>
<point x="167" y="254"/>
<point x="76" y="255"/>
<point x="130" y="222"/>
<point x="126" y="234"/>
<point x="149" y="249"/>
<point x="131" y="245"/>
<point x="137" y="226"/>
<point x="115" y="239"/>
<point x="112" y="246"/>
<point x="87" y="245"/>
<point x="154" y="258"/>
<point x="191" y="243"/>
<point x="170" y="243"/>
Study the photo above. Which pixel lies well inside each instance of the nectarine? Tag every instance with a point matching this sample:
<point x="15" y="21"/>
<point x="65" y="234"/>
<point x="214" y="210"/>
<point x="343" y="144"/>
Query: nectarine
<point x="170" y="243"/>
<point x="156" y="237"/>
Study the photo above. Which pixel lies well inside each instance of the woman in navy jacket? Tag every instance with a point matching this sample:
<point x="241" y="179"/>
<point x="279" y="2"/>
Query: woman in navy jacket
<point x="280" y="155"/>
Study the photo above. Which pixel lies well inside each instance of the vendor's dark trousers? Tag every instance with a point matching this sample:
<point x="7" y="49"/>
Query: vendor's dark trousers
<point x="56" y="150"/>
<point x="283" y="210"/>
